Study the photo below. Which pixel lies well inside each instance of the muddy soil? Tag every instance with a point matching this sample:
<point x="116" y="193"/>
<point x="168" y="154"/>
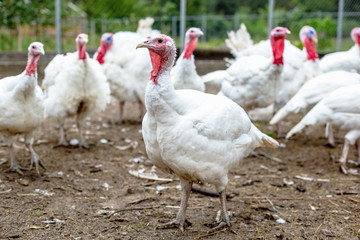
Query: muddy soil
<point x="90" y="194"/>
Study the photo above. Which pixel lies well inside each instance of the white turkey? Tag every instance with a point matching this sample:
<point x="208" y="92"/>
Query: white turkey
<point x="126" y="69"/>
<point x="195" y="135"/>
<point x="183" y="74"/>
<point x="342" y="109"/>
<point x="346" y="60"/>
<point x="254" y="81"/>
<point x="241" y="46"/>
<point x="21" y="107"/>
<point x="290" y="85"/>
<point x="74" y="85"/>
<point x="313" y="91"/>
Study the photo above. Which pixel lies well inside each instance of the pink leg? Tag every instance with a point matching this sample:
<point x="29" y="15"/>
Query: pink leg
<point x="62" y="140"/>
<point x="331" y="140"/>
<point x="343" y="158"/>
<point x="357" y="145"/>
<point x="82" y="142"/>
<point x="180" y="219"/>
<point x="121" y="111"/>
<point x="224" y="220"/>
<point x="14" y="166"/>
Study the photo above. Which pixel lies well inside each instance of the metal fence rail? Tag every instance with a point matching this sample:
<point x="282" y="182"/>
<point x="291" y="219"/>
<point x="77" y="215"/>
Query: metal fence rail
<point x="333" y="27"/>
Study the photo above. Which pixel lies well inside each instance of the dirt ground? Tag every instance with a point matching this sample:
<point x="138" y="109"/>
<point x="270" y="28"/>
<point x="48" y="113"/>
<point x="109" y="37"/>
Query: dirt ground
<point x="90" y="194"/>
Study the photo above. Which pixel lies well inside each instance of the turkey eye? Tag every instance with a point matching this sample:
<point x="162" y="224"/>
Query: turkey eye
<point x="33" y="46"/>
<point x="192" y="31"/>
<point x="160" y="41"/>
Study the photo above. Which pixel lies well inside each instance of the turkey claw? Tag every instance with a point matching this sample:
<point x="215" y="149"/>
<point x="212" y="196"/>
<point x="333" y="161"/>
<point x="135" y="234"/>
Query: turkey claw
<point x="17" y="169"/>
<point x="175" y="224"/>
<point x="221" y="226"/>
<point x="343" y="168"/>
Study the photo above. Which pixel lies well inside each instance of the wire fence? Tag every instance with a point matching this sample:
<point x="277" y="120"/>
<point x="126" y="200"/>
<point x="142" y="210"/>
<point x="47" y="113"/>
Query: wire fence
<point x="215" y="27"/>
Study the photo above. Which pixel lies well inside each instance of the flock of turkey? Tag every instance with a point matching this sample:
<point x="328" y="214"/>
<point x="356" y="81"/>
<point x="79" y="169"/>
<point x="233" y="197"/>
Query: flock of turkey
<point x="195" y="135"/>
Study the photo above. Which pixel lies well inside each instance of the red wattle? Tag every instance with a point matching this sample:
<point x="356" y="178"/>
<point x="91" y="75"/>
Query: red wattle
<point x="277" y="45"/>
<point x="31" y="65"/>
<point x="310" y="49"/>
<point x="82" y="52"/>
<point x="189" y="48"/>
<point x="101" y="54"/>
<point x="155" y="62"/>
<point x="358" y="40"/>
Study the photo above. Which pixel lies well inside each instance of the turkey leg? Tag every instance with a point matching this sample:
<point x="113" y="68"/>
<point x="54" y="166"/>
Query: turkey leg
<point x="121" y="112"/>
<point x="62" y="140"/>
<point x="344" y="154"/>
<point x="14" y="166"/>
<point x="180" y="219"/>
<point x="224" y="217"/>
<point x="82" y="142"/>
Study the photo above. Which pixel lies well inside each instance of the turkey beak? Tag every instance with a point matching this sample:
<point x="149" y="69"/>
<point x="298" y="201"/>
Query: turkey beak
<point x="315" y="40"/>
<point x="42" y="51"/>
<point x="145" y="44"/>
<point x="288" y="31"/>
<point x="201" y="33"/>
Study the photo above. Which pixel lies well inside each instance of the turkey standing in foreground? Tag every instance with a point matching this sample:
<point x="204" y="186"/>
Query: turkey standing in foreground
<point x="195" y="135"/>
<point x="74" y="85"/>
<point x="183" y="74"/>
<point x="22" y="108"/>
<point x="341" y="108"/>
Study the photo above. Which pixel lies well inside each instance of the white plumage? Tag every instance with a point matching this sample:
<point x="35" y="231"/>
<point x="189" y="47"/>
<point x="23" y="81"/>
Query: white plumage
<point x="346" y="60"/>
<point x="21" y="107"/>
<point x="78" y="89"/>
<point x="314" y="90"/>
<point x="342" y="109"/>
<point x="126" y="69"/>
<point x="254" y="81"/>
<point x="183" y="74"/>
<point x="197" y="136"/>
<point x="241" y="46"/>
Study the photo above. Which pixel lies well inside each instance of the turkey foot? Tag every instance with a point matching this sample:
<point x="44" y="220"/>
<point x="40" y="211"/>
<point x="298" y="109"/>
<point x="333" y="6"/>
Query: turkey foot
<point x="224" y="216"/>
<point x="62" y="143"/>
<point x="343" y="168"/>
<point x="16" y="168"/>
<point x="344" y="154"/>
<point x="176" y="223"/>
<point x="35" y="161"/>
<point x="83" y="144"/>
<point x="180" y="219"/>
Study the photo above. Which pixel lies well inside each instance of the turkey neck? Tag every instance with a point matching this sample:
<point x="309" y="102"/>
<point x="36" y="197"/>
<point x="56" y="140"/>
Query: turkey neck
<point x="26" y="85"/>
<point x="31" y="64"/>
<point x="82" y="52"/>
<point x="101" y="52"/>
<point x="190" y="46"/>
<point x="310" y="49"/>
<point x="160" y="96"/>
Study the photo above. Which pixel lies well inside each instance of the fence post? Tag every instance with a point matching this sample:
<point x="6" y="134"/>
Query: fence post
<point x="182" y="23"/>
<point x="270" y="16"/>
<point x="339" y="25"/>
<point x="236" y="21"/>
<point x="174" y="26"/>
<point x="58" y="25"/>
<point x="203" y="27"/>
<point x="92" y="30"/>
<point x="103" y="25"/>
